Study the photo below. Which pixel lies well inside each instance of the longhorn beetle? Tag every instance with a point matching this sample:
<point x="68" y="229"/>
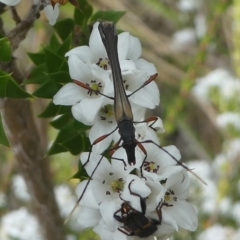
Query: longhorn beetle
<point x="122" y="107"/>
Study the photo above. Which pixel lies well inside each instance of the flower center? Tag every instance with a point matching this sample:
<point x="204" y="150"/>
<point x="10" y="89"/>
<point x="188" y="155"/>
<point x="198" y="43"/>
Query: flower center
<point x="151" y="167"/>
<point x="95" y="87"/>
<point x="126" y="85"/>
<point x="103" y="63"/>
<point x="107" y="113"/>
<point x="169" y="198"/>
<point x="117" y="185"/>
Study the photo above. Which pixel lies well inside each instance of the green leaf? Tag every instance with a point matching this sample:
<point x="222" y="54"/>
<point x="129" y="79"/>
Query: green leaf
<point x="47" y="90"/>
<point x="64" y="136"/>
<point x="112" y="16"/>
<point x="53" y="110"/>
<point x="75" y="144"/>
<point x="82" y="14"/>
<point x="5" y="50"/>
<point x="65" y="46"/>
<point x="54" y="62"/>
<point x="64" y="28"/>
<point x="37" y="58"/>
<point x="67" y="119"/>
<point x="9" y="88"/>
<point x="56" y="148"/>
<point x="80" y="126"/>
<point x="61" y="121"/>
<point x="80" y="174"/>
<point x="54" y="43"/>
<point x="38" y="75"/>
<point x="79" y="17"/>
<point x="3" y="138"/>
<point x="60" y="77"/>
<point x="87" y="9"/>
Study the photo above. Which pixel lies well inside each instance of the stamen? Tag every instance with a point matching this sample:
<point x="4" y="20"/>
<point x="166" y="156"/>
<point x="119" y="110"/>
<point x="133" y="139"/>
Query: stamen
<point x="117" y="185"/>
<point x="103" y="63"/>
<point x="150" y="167"/>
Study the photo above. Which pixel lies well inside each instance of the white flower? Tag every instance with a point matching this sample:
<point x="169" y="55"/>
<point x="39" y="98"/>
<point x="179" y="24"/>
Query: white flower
<point x="10" y="2"/>
<point x="227" y="119"/>
<point x="107" y="180"/>
<point x="135" y="71"/>
<point x="20" y="224"/>
<point x="86" y="104"/>
<point x="20" y="188"/>
<point x="158" y="163"/>
<point x="105" y="123"/>
<point x="52" y="13"/>
<point x="219" y="79"/>
<point x="176" y="211"/>
<point x="217" y="232"/>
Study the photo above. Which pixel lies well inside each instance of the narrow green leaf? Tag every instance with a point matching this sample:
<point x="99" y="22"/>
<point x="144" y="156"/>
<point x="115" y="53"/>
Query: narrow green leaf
<point x="80" y="174"/>
<point x="64" y="28"/>
<point x="37" y="58"/>
<point x="112" y="16"/>
<point x="38" y="75"/>
<point x="80" y="126"/>
<point x="60" y="77"/>
<point x="47" y="90"/>
<point x="5" y="50"/>
<point x="9" y="88"/>
<point x="56" y="148"/>
<point x="79" y="17"/>
<point x="74" y="145"/>
<point x="3" y="138"/>
<point x="87" y="9"/>
<point x="64" y="135"/>
<point x="53" y="110"/>
<point x="54" y="43"/>
<point x="61" y="121"/>
<point x="54" y="62"/>
<point x="65" y="46"/>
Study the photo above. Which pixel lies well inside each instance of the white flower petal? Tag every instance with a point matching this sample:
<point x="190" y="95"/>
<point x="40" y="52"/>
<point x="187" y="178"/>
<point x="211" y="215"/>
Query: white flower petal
<point x="68" y="95"/>
<point x="146" y="66"/>
<point x="102" y="230"/>
<point x="10" y="2"/>
<point x="88" y="217"/>
<point x="135" y="49"/>
<point x="164" y="231"/>
<point x="153" y="91"/>
<point x="99" y="129"/>
<point x="90" y="107"/>
<point x="133" y="187"/>
<point x="52" y="13"/>
<point x="158" y="125"/>
<point x="169" y="171"/>
<point x="143" y="98"/>
<point x="127" y="67"/>
<point x="123" y="45"/>
<point x="78" y="69"/>
<point x="107" y="209"/>
<point x="79" y="115"/>
<point x="96" y="44"/>
<point x="168" y="219"/>
<point x="185" y="215"/>
<point x="83" y="52"/>
<point x="88" y="198"/>
<point x="103" y="169"/>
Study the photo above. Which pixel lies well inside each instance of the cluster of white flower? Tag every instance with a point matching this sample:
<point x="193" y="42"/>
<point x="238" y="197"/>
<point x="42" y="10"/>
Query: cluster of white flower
<point x="51" y="10"/>
<point x="123" y="201"/>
